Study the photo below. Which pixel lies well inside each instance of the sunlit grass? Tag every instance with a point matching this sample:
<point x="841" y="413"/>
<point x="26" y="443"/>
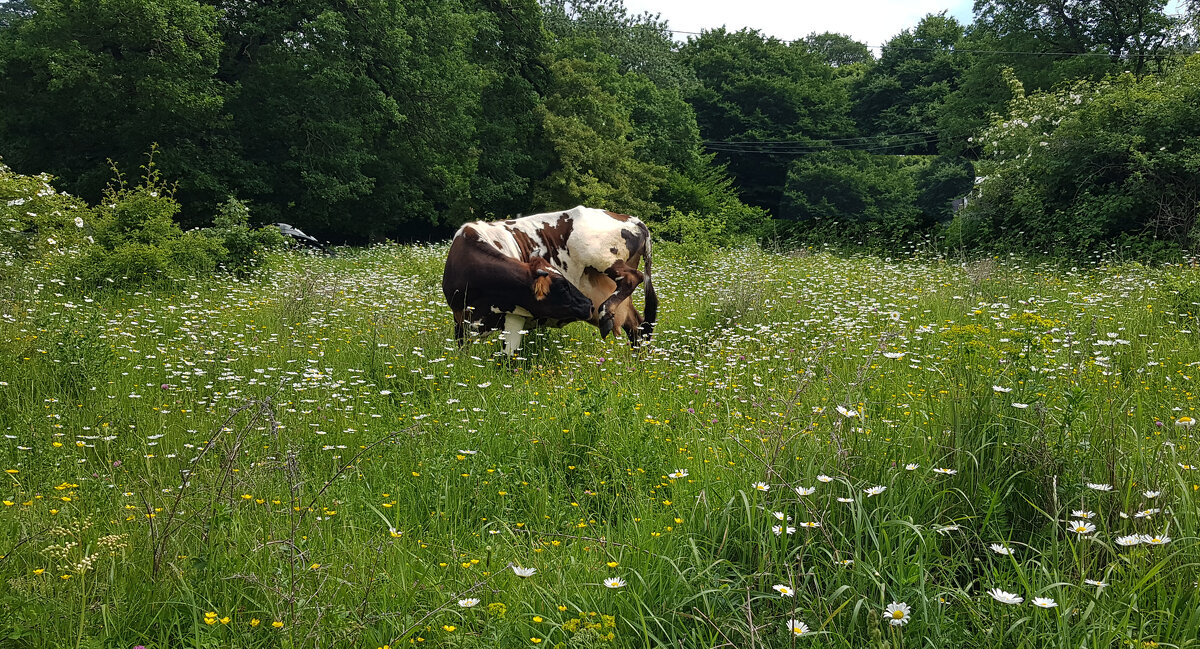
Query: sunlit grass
<point x="307" y="459"/>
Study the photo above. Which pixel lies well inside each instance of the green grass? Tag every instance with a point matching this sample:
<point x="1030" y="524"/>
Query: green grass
<point x="283" y="462"/>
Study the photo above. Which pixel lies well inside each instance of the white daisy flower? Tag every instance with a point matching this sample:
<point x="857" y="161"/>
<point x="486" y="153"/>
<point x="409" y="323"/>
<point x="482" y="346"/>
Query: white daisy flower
<point x="1186" y="422"/>
<point x="761" y="486"/>
<point x="469" y="602"/>
<point x="1154" y="539"/>
<point x="845" y="500"/>
<point x="614" y="582"/>
<point x="1082" y="527"/>
<point x="875" y="491"/>
<point x="783" y="590"/>
<point x="1093" y="582"/>
<point x="806" y="491"/>
<point x="679" y="473"/>
<point x="1151" y="494"/>
<point x="523" y="572"/>
<point x="1021" y="406"/>
<point x="1082" y="513"/>
<point x="898" y="613"/>
<point x="797" y="627"/>
<point x="1132" y="539"/>
<point x="1005" y="597"/>
<point x="945" y="471"/>
<point x="911" y="466"/>
<point x="824" y="478"/>
<point x="1147" y="513"/>
<point x="810" y="525"/>
<point x="1000" y="549"/>
<point x="1099" y="486"/>
<point x="1044" y="602"/>
<point x="997" y="388"/>
<point x="846" y="412"/>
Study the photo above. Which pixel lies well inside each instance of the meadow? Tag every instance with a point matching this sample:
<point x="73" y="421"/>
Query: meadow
<point x="816" y="450"/>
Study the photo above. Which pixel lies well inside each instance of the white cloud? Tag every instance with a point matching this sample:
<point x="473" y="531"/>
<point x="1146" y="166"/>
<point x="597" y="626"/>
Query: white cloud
<point x="873" y="22"/>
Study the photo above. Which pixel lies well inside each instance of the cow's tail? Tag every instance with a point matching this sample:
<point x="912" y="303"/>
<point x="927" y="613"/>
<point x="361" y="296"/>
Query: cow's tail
<point x="651" y="298"/>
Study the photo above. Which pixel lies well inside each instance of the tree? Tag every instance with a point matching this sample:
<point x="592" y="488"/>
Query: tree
<point x="357" y="120"/>
<point x="838" y="50"/>
<point x="85" y="82"/>
<point x="902" y="95"/>
<point x="757" y="89"/>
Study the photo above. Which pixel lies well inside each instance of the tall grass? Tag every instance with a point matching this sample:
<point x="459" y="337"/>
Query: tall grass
<point x="306" y="459"/>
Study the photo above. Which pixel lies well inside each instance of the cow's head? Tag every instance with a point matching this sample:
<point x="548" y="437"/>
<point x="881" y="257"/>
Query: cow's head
<point x="554" y="296"/>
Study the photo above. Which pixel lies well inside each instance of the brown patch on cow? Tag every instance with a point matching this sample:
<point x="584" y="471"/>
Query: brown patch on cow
<point x="541" y="285"/>
<point x="524" y="243"/>
<point x="635" y="239"/>
<point x="620" y="217"/>
<point x="555" y="235"/>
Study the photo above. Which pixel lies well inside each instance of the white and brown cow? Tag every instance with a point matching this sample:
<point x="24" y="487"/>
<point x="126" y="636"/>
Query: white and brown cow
<point x="595" y="250"/>
<point x="488" y="290"/>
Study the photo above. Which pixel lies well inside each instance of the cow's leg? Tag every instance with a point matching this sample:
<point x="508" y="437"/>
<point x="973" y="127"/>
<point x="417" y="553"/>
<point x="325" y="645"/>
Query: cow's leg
<point x="627" y="279"/>
<point x="513" y="325"/>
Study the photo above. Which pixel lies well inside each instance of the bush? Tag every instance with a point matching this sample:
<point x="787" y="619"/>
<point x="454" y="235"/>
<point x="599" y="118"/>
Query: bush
<point x="137" y="242"/>
<point x="243" y="246"/>
<point x="1091" y="163"/>
<point x="37" y="221"/>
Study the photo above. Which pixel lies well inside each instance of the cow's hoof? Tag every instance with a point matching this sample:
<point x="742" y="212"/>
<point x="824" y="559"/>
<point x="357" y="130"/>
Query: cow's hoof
<point x="606" y="327"/>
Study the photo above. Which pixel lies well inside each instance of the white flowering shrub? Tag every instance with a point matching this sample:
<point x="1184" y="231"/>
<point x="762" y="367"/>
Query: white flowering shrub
<point x="1091" y="164"/>
<point x="38" y="221"/>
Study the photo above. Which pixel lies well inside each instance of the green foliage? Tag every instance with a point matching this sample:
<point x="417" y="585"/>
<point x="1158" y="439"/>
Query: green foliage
<point x="1090" y="163"/>
<point x="37" y="221"/>
<point x="854" y="196"/>
<point x="753" y="88"/>
<point x="244" y="247"/>
<point x="138" y="243"/>
<point x="82" y="82"/>
<point x="902" y="95"/>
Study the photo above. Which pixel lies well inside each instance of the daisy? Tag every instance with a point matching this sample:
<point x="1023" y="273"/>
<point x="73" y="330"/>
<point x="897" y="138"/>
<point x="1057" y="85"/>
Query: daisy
<point x="997" y="388"/>
<point x="1044" y="602"/>
<point x="783" y="590"/>
<point x="805" y="491"/>
<point x="847" y="413"/>
<point x="893" y="354"/>
<point x="778" y="529"/>
<point x="824" y="478"/>
<point x="780" y="516"/>
<point x="911" y="467"/>
<point x="875" y="491"/>
<point x="614" y="582"/>
<point x="1155" y="539"/>
<point x="1186" y="422"/>
<point x="1000" y="549"/>
<point x="797" y="627"/>
<point x="1082" y="513"/>
<point x="898" y="613"/>
<point x="1082" y="527"/>
<point x="845" y="500"/>
<point x="810" y="524"/>
<point x="1093" y="582"/>
<point x="1147" y="513"/>
<point x="1132" y="539"/>
<point x="1021" y="406"/>
<point x="679" y="473"/>
<point x="469" y="602"/>
<point x="945" y="529"/>
<point x="761" y="486"/>
<point x="467" y="451"/>
<point x="1005" y="597"/>
<point x="1151" y="494"/>
<point x="1099" y="486"/>
<point x="945" y="471"/>
<point x="523" y="572"/>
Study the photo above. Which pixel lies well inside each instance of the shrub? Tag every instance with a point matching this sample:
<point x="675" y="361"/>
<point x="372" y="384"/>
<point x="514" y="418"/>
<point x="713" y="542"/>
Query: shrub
<point x="243" y="246"/>
<point x="137" y="242"/>
<point x="36" y="220"/>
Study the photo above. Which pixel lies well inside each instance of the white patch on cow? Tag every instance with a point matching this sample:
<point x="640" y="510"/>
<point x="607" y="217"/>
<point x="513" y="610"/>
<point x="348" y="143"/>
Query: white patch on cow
<point x="522" y="311"/>
<point x="513" y="325"/>
<point x="496" y="309"/>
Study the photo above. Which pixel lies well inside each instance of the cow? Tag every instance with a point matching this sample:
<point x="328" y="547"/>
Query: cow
<point x="488" y="290"/>
<point x="596" y="250"/>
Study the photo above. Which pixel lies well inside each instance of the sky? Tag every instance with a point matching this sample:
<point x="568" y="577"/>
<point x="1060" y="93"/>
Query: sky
<point x="873" y="22"/>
